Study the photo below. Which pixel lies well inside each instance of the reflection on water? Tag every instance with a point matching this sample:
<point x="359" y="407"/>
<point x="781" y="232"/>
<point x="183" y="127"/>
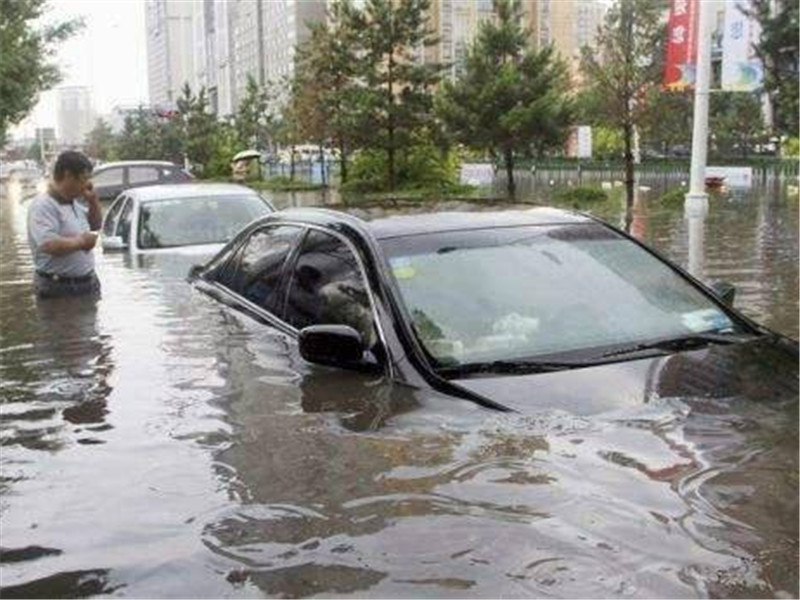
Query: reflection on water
<point x="155" y="445"/>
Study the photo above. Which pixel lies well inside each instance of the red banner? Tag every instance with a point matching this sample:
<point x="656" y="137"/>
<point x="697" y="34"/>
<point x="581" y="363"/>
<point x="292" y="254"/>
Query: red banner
<point x="679" y="68"/>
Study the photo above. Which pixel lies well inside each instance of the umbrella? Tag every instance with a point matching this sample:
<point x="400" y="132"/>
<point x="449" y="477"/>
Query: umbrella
<point x="247" y="155"/>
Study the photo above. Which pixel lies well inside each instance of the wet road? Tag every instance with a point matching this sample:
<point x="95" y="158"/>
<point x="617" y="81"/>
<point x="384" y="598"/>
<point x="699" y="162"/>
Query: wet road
<point x="154" y="445"/>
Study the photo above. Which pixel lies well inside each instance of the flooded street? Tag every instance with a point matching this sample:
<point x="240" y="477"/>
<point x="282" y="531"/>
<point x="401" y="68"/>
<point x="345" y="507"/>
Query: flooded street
<point x="155" y="444"/>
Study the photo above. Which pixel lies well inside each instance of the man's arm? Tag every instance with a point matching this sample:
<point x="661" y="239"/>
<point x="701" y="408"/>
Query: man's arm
<point x="95" y="214"/>
<point x="59" y="246"/>
<point x="43" y="228"/>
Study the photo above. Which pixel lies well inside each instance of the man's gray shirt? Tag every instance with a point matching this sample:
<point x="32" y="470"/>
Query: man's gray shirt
<point x="48" y="219"/>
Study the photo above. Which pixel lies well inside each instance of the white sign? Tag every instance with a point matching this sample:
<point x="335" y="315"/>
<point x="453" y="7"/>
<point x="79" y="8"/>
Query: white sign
<point x="477" y="174"/>
<point x="741" y="70"/>
<point x="584" y="142"/>
<point x="737" y="177"/>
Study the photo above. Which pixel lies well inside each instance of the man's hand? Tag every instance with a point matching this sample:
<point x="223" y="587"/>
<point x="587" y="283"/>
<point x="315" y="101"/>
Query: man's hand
<point x="89" y="193"/>
<point x="87" y="240"/>
<point x="95" y="216"/>
<point x="61" y="246"/>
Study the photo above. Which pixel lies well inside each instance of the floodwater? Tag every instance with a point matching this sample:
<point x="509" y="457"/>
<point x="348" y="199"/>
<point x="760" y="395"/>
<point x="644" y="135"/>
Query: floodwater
<point x="156" y="445"/>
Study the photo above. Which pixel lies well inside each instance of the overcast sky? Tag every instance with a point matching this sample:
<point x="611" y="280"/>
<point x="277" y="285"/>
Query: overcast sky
<point x="108" y="56"/>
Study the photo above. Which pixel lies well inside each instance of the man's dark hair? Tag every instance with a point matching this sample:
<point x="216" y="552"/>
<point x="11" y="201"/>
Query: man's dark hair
<point x="73" y="162"/>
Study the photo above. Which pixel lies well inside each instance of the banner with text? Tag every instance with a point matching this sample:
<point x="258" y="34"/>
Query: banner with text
<point x="679" y="68"/>
<point x="741" y="70"/>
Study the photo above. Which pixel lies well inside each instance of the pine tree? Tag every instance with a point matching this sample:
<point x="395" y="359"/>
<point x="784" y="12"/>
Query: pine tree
<point x="396" y="99"/>
<point x="510" y="97"/>
<point x="624" y="69"/>
<point x="326" y="87"/>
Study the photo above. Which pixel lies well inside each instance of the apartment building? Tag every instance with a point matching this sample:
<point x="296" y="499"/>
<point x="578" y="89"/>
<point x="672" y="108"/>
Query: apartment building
<point x="170" y="55"/>
<point x="74" y="114"/>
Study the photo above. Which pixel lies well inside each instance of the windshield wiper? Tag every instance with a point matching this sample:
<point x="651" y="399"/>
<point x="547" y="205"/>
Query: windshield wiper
<point x="683" y="342"/>
<point x="509" y="367"/>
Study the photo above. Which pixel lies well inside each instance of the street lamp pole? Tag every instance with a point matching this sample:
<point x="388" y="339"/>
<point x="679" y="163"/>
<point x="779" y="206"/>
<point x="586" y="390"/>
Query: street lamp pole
<point x="697" y="197"/>
<point x="696" y="204"/>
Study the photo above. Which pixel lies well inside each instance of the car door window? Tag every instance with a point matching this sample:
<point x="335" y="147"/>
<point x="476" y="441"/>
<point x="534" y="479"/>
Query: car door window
<point x="254" y="272"/>
<point x="141" y="175"/>
<point x="125" y="216"/>
<point x="327" y="288"/>
<point x="108" y="177"/>
<point x="110" y="222"/>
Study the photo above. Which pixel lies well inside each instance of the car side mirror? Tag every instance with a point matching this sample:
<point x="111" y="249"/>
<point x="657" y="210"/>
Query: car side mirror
<point x="724" y="291"/>
<point x="114" y="242"/>
<point x="332" y="345"/>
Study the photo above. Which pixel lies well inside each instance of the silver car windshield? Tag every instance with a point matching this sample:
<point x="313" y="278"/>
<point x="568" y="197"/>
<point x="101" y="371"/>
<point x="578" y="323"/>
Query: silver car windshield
<point x="523" y="292"/>
<point x="203" y="220"/>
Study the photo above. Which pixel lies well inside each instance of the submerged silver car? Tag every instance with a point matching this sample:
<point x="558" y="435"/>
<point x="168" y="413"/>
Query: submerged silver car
<point x="200" y="217"/>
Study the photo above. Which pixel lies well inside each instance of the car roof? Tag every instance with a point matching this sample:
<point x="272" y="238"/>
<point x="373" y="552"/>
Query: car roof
<point x="136" y="163"/>
<point x="406" y="225"/>
<point x="186" y="190"/>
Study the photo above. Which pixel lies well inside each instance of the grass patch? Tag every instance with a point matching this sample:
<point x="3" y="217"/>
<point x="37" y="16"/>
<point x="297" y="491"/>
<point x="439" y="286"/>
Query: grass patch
<point x="675" y="198"/>
<point x="284" y="184"/>
<point x="580" y="195"/>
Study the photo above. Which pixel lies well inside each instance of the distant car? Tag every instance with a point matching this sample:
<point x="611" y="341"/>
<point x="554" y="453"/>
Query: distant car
<point x="199" y="216"/>
<point x="110" y="179"/>
<point x="522" y="311"/>
<point x="20" y="170"/>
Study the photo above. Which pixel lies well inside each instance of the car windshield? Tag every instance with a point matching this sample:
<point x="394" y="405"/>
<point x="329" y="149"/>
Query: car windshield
<point x="519" y="293"/>
<point x="201" y="220"/>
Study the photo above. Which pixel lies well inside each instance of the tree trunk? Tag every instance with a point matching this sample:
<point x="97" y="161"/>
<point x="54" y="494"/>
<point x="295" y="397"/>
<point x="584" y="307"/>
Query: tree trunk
<point x="291" y="162"/>
<point x="508" y="155"/>
<point x="629" y="176"/>
<point x="342" y="163"/>
<point x="390" y="127"/>
<point x="322" y="164"/>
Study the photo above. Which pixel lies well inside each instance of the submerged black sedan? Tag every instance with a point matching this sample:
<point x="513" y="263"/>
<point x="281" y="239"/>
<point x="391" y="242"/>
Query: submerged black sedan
<point x="516" y="310"/>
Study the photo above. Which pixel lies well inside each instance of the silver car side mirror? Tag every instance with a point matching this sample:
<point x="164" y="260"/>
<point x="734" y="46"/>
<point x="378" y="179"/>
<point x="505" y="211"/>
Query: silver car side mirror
<point x="114" y="242"/>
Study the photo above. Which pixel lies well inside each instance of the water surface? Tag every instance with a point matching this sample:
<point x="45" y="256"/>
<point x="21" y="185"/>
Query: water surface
<point x="155" y="445"/>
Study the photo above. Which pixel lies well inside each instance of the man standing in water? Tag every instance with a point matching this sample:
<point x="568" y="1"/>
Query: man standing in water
<point x="60" y="230"/>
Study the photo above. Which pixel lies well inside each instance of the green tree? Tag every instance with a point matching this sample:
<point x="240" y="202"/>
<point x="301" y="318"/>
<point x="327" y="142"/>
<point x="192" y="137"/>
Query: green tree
<point x="140" y="138"/>
<point x="254" y="121"/>
<point x="290" y="127"/>
<point x="778" y="49"/>
<point x="34" y="152"/>
<point x="624" y="69"/>
<point x="510" y="97"/>
<point x="397" y="97"/>
<point x="736" y="123"/>
<point x="667" y="119"/>
<point x="200" y="127"/>
<point x="26" y="53"/>
<point x="327" y="77"/>
<point x="101" y="141"/>
<point x="225" y="147"/>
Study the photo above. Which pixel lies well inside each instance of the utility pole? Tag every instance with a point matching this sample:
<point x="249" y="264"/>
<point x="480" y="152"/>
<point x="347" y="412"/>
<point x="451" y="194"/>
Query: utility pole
<point x="696" y="203"/>
<point x="697" y="184"/>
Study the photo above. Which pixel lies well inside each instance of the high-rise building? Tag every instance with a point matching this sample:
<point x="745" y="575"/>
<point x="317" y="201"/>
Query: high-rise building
<point x="455" y="23"/>
<point x="266" y="34"/>
<point x="170" y="49"/>
<point x="566" y="24"/>
<point x="213" y="51"/>
<point x="74" y="116"/>
<point x="285" y="26"/>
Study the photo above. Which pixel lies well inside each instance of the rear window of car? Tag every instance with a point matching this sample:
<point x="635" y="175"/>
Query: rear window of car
<point x="138" y="175"/>
<point x="199" y="220"/>
<point x="107" y="177"/>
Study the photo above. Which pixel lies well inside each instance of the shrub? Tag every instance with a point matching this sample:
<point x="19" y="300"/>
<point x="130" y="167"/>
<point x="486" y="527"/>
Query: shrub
<point x="421" y="166"/>
<point x="674" y="198"/>
<point x="790" y="147"/>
